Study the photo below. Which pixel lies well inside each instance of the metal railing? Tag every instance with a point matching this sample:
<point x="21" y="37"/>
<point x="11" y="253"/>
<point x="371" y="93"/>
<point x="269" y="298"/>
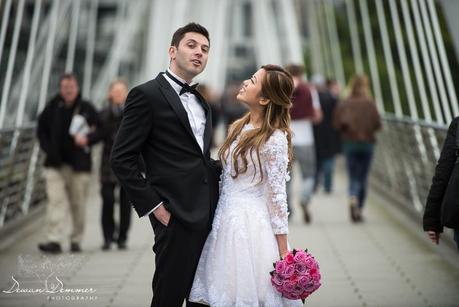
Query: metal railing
<point x="104" y="39"/>
<point x="405" y="160"/>
<point x="98" y="40"/>
<point x="20" y="189"/>
<point x="411" y="80"/>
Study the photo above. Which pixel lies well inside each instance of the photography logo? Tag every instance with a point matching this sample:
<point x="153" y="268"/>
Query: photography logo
<point x="43" y="275"/>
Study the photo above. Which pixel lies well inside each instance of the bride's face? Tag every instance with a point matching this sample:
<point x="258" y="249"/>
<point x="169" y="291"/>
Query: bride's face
<point x="250" y="92"/>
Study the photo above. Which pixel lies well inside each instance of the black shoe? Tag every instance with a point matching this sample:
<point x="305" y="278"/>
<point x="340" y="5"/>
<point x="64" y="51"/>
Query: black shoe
<point x="354" y="210"/>
<point x="106" y="245"/>
<point x="50" y="247"/>
<point x="122" y="245"/>
<point x="75" y="247"/>
<point x="306" y="215"/>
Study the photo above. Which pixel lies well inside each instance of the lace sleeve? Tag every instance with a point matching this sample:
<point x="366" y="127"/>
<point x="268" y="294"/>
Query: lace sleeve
<point x="275" y="156"/>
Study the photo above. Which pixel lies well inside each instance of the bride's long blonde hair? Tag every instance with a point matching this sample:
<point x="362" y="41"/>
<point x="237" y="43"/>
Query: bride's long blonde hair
<point x="277" y="86"/>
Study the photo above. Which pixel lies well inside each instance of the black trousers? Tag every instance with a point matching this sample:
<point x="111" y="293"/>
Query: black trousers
<point x="177" y="252"/>
<point x="108" y="221"/>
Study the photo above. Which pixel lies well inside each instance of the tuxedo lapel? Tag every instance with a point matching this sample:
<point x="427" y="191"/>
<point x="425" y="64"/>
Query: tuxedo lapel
<point x="208" y="129"/>
<point x="208" y="132"/>
<point x="173" y="99"/>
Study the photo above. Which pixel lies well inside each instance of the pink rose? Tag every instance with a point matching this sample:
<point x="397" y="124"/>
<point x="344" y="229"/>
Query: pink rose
<point x="297" y="291"/>
<point x="300" y="268"/>
<point x="316" y="278"/>
<point x="280" y="288"/>
<point x="311" y="263"/>
<point x="304" y="281"/>
<point x="300" y="256"/>
<point x="311" y="287"/>
<point x="297" y="275"/>
<point x="288" y="272"/>
<point x="276" y="280"/>
<point x="288" y="287"/>
<point x="289" y="258"/>
<point x="280" y="267"/>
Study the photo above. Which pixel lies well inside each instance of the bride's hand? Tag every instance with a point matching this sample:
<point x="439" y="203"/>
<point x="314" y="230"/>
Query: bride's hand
<point x="284" y="253"/>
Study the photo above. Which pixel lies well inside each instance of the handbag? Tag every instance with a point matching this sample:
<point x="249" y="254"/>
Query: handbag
<point x="450" y="203"/>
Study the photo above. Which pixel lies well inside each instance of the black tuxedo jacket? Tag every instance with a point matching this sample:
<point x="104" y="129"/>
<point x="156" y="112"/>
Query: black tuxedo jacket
<point x="177" y="172"/>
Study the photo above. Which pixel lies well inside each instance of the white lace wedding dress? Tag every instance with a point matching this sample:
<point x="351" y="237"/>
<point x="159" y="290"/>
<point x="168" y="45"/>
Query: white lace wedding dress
<point x="237" y="257"/>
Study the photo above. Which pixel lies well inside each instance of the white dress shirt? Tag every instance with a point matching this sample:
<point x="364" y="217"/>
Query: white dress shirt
<point x="195" y="112"/>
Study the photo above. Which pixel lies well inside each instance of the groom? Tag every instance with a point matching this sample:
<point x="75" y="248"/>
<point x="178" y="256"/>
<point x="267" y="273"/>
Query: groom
<point x="168" y="123"/>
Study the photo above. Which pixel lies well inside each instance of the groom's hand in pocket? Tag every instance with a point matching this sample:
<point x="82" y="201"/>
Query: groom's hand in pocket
<point x="162" y="215"/>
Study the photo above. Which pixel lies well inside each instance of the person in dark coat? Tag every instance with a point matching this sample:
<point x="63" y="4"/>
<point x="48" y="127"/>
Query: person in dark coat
<point x="432" y="214"/>
<point x="168" y="122"/>
<point x="111" y="117"/>
<point x="65" y="132"/>
<point x="358" y="120"/>
<point x="326" y="139"/>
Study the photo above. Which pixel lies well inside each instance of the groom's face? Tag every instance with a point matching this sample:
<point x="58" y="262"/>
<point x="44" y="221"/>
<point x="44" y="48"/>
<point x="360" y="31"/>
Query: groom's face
<point x="190" y="57"/>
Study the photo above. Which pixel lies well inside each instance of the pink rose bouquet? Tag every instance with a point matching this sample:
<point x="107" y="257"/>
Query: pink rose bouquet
<point x="296" y="276"/>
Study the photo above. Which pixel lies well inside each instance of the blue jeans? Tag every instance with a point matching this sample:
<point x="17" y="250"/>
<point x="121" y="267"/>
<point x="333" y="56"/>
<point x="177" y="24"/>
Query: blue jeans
<point x="325" y="168"/>
<point x="358" y="166"/>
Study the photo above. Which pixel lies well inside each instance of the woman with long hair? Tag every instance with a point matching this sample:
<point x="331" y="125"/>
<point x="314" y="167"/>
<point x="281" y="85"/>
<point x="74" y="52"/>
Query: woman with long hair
<point x="357" y="119"/>
<point x="250" y="227"/>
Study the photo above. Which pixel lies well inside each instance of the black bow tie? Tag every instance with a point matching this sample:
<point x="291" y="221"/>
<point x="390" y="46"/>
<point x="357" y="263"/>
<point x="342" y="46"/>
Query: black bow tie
<point x="185" y="87"/>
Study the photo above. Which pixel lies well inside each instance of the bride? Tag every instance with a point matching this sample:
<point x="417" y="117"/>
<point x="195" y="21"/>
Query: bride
<point x="249" y="231"/>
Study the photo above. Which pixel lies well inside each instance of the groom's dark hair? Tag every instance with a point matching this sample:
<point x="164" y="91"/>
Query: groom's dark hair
<point x="191" y="27"/>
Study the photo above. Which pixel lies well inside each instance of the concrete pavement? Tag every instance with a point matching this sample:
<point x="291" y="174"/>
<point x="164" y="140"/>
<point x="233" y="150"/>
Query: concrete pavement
<point x="385" y="261"/>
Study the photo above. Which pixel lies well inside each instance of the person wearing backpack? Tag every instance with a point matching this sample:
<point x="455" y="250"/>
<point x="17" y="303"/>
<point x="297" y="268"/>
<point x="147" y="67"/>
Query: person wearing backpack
<point x="442" y="207"/>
